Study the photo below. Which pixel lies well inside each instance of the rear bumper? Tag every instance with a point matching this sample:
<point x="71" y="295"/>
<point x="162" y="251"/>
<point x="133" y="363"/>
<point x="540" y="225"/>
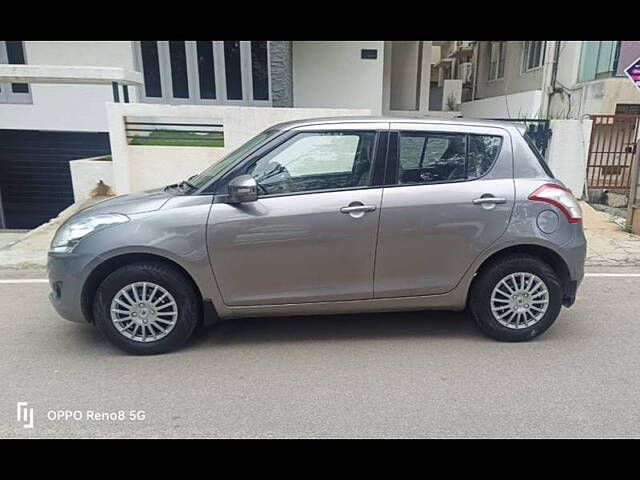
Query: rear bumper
<point x="574" y="254"/>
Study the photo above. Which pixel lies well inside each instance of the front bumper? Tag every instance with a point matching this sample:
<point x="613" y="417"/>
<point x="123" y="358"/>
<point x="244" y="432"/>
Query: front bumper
<point x="67" y="274"/>
<point x="570" y="291"/>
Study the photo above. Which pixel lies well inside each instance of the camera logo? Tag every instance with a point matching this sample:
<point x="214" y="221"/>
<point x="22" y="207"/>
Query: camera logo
<point x="25" y="414"/>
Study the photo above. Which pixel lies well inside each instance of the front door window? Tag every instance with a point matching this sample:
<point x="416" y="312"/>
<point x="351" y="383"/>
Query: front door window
<point x="315" y="161"/>
<point x="438" y="157"/>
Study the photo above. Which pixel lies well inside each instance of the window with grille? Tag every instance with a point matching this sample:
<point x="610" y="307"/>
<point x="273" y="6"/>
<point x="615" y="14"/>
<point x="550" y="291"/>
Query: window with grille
<point x="205" y="72"/>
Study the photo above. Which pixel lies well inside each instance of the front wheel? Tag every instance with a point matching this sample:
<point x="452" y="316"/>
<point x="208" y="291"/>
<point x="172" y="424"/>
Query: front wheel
<point x="146" y="308"/>
<point x="516" y="298"/>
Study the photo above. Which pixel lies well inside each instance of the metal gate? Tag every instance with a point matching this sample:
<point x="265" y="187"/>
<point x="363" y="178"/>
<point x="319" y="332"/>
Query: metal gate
<point x="611" y="151"/>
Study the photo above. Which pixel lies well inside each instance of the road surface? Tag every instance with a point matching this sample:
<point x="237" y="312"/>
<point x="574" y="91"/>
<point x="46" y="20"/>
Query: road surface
<point x="401" y="375"/>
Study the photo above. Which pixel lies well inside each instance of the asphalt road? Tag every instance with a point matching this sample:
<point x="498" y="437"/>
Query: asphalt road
<point x="383" y="375"/>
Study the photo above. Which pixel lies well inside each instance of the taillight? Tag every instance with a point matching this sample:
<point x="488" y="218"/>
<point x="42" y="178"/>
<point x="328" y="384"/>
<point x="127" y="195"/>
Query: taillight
<point x="561" y="198"/>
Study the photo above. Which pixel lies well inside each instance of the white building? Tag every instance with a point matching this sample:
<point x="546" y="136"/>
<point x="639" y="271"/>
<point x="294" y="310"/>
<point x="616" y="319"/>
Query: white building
<point x="43" y="126"/>
<point x="550" y="79"/>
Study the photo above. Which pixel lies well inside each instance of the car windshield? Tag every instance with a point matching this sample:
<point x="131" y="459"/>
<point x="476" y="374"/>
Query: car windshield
<point x="203" y="178"/>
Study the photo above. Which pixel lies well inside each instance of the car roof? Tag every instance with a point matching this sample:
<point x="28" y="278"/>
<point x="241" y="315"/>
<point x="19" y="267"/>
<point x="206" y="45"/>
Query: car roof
<point x="390" y="119"/>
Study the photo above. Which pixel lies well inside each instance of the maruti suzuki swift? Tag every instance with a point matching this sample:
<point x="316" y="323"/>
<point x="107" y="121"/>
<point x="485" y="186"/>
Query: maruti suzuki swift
<point x="331" y="216"/>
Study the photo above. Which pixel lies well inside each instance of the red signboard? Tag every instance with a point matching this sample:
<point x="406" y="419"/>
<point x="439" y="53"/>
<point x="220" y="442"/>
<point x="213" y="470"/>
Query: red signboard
<point x="633" y="72"/>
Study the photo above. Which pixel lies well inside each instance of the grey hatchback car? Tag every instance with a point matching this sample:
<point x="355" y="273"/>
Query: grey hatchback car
<point x="331" y="216"/>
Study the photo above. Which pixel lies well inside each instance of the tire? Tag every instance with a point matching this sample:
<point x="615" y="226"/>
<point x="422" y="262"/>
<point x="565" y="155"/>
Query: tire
<point x="169" y="279"/>
<point x="480" y="299"/>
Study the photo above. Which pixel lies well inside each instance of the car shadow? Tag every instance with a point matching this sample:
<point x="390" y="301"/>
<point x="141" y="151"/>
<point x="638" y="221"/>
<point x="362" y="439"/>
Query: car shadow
<point x="366" y="326"/>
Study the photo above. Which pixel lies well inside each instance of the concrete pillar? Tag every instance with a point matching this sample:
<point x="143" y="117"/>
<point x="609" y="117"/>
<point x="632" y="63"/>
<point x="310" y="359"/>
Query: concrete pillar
<point x="119" y="150"/>
<point x="386" y="78"/>
<point x="406" y="76"/>
<point x="547" y="76"/>
<point x="425" y="77"/>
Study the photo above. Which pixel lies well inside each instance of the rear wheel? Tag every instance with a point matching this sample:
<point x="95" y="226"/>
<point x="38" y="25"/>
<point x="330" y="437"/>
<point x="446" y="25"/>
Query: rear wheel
<point x="146" y="308"/>
<point x="516" y="298"/>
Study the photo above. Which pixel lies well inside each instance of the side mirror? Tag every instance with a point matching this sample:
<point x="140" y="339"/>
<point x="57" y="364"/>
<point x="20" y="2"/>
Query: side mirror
<point x="243" y="189"/>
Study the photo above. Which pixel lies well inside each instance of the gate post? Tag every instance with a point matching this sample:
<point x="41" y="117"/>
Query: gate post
<point x="633" y="210"/>
<point x="3" y="223"/>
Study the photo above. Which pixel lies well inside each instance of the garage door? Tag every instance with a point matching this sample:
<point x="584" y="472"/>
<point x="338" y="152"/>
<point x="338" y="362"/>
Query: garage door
<point x="35" y="179"/>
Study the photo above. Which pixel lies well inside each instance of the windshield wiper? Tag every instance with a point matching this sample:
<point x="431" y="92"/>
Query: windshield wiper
<point x="186" y="183"/>
<point x="180" y="187"/>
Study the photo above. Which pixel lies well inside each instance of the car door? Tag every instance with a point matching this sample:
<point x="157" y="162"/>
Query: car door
<point x="311" y="235"/>
<point x="448" y="195"/>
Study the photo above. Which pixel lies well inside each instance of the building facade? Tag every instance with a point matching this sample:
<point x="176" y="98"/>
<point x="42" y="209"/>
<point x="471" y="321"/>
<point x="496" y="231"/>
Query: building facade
<point x="551" y="79"/>
<point x="44" y="126"/>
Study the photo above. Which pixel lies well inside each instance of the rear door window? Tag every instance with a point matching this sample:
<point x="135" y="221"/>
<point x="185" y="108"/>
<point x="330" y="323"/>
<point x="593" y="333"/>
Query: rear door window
<point x="483" y="151"/>
<point x="431" y="157"/>
<point x="437" y="157"/>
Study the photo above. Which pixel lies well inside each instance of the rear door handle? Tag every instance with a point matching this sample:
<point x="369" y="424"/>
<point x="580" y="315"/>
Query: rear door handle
<point x="489" y="201"/>
<point x="358" y="208"/>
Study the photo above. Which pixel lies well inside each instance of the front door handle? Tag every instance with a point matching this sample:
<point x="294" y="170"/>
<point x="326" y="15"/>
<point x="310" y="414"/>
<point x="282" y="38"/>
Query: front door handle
<point x="489" y="201"/>
<point x="358" y="208"/>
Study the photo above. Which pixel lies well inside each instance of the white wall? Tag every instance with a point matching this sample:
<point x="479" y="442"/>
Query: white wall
<point x="332" y="75"/>
<point x="516" y="105"/>
<point x="86" y="173"/>
<point x="68" y="107"/>
<point x="567" y="152"/>
<point x="137" y="167"/>
<point x="152" y="166"/>
<point x="602" y="96"/>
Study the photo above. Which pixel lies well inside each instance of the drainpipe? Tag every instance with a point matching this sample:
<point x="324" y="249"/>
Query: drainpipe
<point x="550" y="88"/>
<point x="476" y="58"/>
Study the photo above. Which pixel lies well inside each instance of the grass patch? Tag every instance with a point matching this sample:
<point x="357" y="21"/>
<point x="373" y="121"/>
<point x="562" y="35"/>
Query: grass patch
<point x="187" y="139"/>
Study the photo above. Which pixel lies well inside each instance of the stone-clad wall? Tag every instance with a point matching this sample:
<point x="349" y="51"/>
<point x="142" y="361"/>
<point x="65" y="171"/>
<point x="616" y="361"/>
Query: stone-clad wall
<point x="281" y="73"/>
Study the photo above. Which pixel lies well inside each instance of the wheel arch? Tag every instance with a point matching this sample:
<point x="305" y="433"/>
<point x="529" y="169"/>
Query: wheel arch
<point x="547" y="255"/>
<point x="102" y="270"/>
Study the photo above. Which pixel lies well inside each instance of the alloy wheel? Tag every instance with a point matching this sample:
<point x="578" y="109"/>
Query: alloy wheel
<point x="144" y="312"/>
<point x="519" y="300"/>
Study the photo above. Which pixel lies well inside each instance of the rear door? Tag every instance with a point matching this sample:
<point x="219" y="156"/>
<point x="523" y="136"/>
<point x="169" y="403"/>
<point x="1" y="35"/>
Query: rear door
<point x="448" y="195"/>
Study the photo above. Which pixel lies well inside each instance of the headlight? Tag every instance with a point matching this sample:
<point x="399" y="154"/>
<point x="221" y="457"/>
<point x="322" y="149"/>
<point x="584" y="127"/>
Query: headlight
<point x="67" y="237"/>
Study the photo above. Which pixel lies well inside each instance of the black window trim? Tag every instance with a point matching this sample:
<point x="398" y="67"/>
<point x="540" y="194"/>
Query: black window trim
<point x="393" y="158"/>
<point x="536" y="152"/>
<point x="375" y="180"/>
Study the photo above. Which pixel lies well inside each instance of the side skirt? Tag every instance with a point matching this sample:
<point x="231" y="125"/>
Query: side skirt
<point x="453" y="300"/>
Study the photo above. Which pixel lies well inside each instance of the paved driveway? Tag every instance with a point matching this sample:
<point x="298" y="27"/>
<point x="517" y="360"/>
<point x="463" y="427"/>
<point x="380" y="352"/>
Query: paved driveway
<point x="382" y="375"/>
